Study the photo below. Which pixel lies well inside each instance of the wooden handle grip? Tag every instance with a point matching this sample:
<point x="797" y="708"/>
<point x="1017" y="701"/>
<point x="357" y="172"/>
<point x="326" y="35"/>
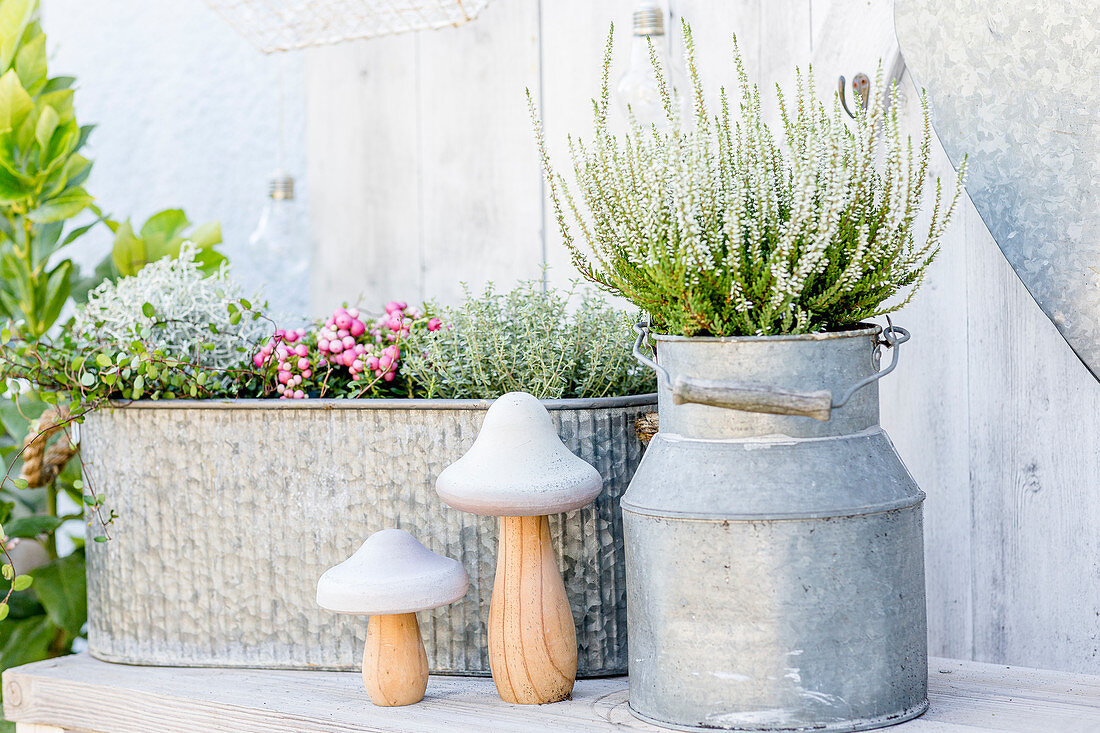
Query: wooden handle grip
<point x="753" y="398"/>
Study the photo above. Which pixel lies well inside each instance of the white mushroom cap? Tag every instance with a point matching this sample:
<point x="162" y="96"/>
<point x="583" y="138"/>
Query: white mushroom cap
<point x="518" y="466"/>
<point x="391" y="573"/>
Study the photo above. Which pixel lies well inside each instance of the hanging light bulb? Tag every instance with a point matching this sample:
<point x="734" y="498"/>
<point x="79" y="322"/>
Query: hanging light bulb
<point x="638" y="89"/>
<point x="279" y="249"/>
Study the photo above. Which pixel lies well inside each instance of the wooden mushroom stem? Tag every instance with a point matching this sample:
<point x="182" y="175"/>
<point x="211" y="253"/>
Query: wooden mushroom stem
<point x="532" y="640"/>
<point x="395" y="667"/>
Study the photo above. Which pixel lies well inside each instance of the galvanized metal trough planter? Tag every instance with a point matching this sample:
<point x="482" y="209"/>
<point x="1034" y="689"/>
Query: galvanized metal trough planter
<point x="229" y="511"/>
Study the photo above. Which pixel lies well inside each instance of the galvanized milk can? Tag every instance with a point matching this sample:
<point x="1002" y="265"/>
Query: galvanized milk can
<point x="775" y="558"/>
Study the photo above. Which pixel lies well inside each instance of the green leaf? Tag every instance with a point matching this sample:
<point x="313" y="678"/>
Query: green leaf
<point x="30" y="64"/>
<point x="47" y="123"/>
<point x="148" y="309"/>
<point x="3" y="611"/>
<point x="15" y="16"/>
<point x="63" y="206"/>
<point x="20" y="483"/>
<point x="21" y="582"/>
<point x="32" y="526"/>
<point x="209" y="260"/>
<point x="103" y="360"/>
<point x="164" y="226"/>
<point x="57" y="83"/>
<point x="128" y="252"/>
<point x="25" y="640"/>
<point x="8" y="571"/>
<point x="206" y="235"/>
<point x="58" y="288"/>
<point x="87" y="379"/>
<point x="100" y="538"/>
<point x="15" y="103"/>
<point x="62" y="589"/>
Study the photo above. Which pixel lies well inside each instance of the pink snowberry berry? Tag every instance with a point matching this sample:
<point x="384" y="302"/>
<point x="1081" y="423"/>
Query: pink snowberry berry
<point x="434" y="324"/>
<point x="303" y="364"/>
<point x="357" y="328"/>
<point x="388" y="376"/>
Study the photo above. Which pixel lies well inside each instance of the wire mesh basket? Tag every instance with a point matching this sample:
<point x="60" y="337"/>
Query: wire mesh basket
<point x="282" y="25"/>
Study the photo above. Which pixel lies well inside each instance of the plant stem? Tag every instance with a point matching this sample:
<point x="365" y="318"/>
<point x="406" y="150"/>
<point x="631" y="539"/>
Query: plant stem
<point x="51" y="506"/>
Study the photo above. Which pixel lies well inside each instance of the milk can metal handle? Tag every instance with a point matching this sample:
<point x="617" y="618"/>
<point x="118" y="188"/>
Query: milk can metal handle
<point x="762" y="398"/>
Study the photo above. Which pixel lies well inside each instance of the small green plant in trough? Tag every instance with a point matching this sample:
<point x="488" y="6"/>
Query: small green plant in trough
<point x="526" y="340"/>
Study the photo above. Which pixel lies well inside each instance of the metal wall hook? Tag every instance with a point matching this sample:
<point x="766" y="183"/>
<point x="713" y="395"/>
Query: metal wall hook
<point x="861" y="87"/>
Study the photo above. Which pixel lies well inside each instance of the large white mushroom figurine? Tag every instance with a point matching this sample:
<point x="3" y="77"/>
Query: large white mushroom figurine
<point x="390" y="578"/>
<point x="518" y="469"/>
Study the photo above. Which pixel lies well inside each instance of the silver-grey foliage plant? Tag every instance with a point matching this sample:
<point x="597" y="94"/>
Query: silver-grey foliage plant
<point x="716" y="228"/>
<point x="526" y="340"/>
<point x="173" y="306"/>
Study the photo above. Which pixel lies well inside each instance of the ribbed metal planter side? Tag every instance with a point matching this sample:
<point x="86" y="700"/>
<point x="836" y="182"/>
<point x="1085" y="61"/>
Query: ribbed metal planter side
<point x="230" y="511"/>
<point x="775" y="563"/>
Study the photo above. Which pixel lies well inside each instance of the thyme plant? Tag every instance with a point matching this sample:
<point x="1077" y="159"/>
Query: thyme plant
<point x="722" y="227"/>
<point x="526" y="339"/>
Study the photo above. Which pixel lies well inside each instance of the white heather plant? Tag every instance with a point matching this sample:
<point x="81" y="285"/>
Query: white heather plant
<point x="178" y="309"/>
<point x="715" y="228"/>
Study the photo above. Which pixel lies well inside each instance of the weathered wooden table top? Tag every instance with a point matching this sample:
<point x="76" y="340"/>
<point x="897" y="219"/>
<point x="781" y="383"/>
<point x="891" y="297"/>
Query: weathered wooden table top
<point x="79" y="693"/>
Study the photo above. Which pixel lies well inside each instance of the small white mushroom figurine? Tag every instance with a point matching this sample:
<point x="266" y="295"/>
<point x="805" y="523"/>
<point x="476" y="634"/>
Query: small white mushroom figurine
<point x="518" y="469"/>
<point x="390" y="578"/>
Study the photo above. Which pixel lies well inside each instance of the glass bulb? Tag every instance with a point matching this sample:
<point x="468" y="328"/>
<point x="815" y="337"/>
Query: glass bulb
<point x="637" y="89"/>
<point x="278" y="254"/>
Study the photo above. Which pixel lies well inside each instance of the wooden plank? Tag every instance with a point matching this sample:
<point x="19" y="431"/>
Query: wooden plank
<point x="364" y="173"/>
<point x="714" y="23"/>
<point x="573" y="34"/>
<point x="480" y="179"/>
<point x="1035" y="418"/>
<point x="925" y="411"/>
<point x="82" y="693"/>
<point x="849" y="38"/>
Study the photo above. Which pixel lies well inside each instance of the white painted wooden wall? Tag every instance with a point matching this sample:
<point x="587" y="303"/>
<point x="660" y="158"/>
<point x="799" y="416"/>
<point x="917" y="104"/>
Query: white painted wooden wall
<point x="423" y="173"/>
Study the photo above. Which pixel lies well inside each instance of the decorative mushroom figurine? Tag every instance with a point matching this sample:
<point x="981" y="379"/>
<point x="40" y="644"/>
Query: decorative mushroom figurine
<point x="390" y="578"/>
<point x="518" y="469"/>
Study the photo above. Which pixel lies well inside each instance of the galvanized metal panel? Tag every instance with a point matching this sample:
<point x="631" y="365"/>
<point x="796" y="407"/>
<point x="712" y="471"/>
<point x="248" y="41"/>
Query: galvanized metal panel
<point x="1014" y="86"/>
<point x="230" y="511"/>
